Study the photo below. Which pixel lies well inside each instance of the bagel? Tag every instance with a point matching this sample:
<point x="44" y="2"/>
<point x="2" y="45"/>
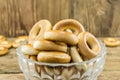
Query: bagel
<point x="44" y="45"/>
<point x="28" y="49"/>
<point x="71" y="24"/>
<point x="61" y="36"/>
<point x="6" y="44"/>
<point x="3" y="50"/>
<point x="2" y="38"/>
<point x="38" y="30"/>
<point x="53" y="57"/>
<point x="19" y="40"/>
<point x="75" y="56"/>
<point x="111" y="42"/>
<point x="88" y="45"/>
<point x="34" y="58"/>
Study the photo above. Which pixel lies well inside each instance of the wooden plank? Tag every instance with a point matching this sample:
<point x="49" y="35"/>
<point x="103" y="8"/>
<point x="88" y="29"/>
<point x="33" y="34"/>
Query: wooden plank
<point x="101" y="17"/>
<point x="106" y="75"/>
<point x="116" y="16"/>
<point x="53" y="10"/>
<point x="109" y="75"/>
<point x="12" y="77"/>
<point x="95" y="15"/>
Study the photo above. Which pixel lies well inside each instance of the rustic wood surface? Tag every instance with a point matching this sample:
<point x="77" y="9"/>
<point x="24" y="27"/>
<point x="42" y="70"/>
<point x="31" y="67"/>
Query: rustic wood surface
<point x="9" y="69"/>
<point x="101" y="17"/>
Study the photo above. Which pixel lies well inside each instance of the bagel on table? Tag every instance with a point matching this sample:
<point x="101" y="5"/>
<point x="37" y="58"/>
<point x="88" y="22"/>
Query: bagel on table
<point x="38" y="30"/>
<point x="44" y="45"/>
<point x="61" y="36"/>
<point x="19" y="40"/>
<point x="111" y="42"/>
<point x="3" y="50"/>
<point x="53" y="57"/>
<point x="88" y="45"/>
<point x="69" y="24"/>
<point x="6" y="44"/>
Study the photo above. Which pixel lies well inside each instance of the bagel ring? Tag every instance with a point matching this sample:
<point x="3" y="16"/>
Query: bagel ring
<point x="88" y="45"/>
<point x="28" y="49"/>
<point x="70" y="24"/>
<point x="111" y="42"/>
<point x="76" y="57"/>
<point x="3" y="50"/>
<point x="2" y="38"/>
<point x="19" y="40"/>
<point x="38" y="30"/>
<point x="44" y="45"/>
<point x="6" y="44"/>
<point x="53" y="57"/>
<point x="61" y="36"/>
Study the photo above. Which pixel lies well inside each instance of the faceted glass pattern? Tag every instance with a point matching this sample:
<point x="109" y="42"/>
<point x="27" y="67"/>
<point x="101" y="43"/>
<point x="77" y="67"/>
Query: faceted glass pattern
<point x="87" y="70"/>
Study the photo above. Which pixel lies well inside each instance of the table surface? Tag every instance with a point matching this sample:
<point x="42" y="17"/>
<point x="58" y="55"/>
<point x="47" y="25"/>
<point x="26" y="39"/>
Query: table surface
<point x="9" y="69"/>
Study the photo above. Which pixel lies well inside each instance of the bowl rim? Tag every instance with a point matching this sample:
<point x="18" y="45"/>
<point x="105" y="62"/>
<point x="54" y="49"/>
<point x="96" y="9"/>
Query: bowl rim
<point x="101" y="54"/>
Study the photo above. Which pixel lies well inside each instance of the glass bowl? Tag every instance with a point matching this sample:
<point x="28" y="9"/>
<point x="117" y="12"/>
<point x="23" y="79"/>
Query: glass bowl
<point x="34" y="70"/>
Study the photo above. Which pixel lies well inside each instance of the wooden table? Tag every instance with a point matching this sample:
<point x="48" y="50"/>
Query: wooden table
<point x="9" y="69"/>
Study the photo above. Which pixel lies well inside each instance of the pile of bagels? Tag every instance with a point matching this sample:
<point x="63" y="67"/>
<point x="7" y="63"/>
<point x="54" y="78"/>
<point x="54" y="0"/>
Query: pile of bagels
<point x="5" y="44"/>
<point x="65" y="42"/>
<point x="19" y="40"/>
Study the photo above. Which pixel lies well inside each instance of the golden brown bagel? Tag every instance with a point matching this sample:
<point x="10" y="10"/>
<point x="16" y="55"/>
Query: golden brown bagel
<point x="71" y="24"/>
<point x="33" y="57"/>
<point x="61" y="36"/>
<point x="28" y="49"/>
<point x="19" y="40"/>
<point x="88" y="45"/>
<point x="111" y="42"/>
<point x="53" y="57"/>
<point x="38" y="30"/>
<point x="3" y="50"/>
<point x="44" y="45"/>
<point x="6" y="44"/>
<point x="76" y="57"/>
<point x="2" y="38"/>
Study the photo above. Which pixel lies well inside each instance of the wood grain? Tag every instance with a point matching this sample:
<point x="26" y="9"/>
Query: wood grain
<point x="101" y="17"/>
<point x="9" y="67"/>
<point x="12" y="77"/>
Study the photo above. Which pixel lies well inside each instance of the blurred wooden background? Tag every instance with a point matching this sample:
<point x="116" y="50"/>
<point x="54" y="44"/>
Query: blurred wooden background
<point x="101" y="17"/>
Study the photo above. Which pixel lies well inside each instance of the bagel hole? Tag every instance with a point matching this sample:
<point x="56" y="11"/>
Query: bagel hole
<point x="37" y="32"/>
<point x="73" y="31"/>
<point x="89" y="45"/>
<point x="92" y="43"/>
